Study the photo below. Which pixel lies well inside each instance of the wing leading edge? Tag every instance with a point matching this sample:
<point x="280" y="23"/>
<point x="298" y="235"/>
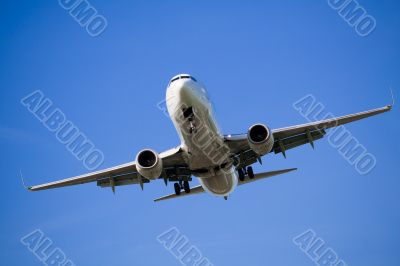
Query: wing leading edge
<point x="294" y="136"/>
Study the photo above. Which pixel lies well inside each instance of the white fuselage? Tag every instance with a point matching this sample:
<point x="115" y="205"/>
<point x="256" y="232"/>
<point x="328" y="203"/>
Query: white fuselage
<point x="205" y="152"/>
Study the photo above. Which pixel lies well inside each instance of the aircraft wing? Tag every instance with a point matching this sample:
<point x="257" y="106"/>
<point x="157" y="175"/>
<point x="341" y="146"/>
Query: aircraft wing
<point x="294" y="136"/>
<point x="124" y="174"/>
<point x="200" y="189"/>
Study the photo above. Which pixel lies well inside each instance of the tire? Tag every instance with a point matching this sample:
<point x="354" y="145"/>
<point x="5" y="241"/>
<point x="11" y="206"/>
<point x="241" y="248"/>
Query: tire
<point x="186" y="187"/>
<point x="177" y="189"/>
<point x="241" y="175"/>
<point x="250" y="172"/>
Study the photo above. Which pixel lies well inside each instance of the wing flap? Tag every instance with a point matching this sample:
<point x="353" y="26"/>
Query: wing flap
<point x="122" y="180"/>
<point x="293" y="142"/>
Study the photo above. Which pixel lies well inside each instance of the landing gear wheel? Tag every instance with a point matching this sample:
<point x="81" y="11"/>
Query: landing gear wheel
<point x="250" y="172"/>
<point x="241" y="175"/>
<point x="192" y="128"/>
<point x="186" y="187"/>
<point x="177" y="188"/>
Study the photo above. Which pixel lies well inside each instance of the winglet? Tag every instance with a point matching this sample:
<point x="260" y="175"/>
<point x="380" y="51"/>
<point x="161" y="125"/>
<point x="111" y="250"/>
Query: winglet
<point x="23" y="181"/>
<point x="393" y="101"/>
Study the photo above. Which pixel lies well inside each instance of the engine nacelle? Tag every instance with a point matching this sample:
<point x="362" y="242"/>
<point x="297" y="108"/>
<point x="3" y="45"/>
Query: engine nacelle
<point x="260" y="139"/>
<point x="149" y="164"/>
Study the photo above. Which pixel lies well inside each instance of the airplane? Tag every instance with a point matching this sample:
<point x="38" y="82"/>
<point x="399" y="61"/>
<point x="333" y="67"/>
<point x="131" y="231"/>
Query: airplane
<point x="220" y="162"/>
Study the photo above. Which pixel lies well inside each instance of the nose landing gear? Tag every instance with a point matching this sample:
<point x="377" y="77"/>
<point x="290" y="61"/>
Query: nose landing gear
<point x="188" y="113"/>
<point x="192" y="127"/>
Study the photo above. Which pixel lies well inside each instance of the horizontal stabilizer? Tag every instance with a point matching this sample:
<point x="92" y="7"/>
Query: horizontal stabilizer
<point x="266" y="175"/>
<point x="193" y="191"/>
<point x="200" y="189"/>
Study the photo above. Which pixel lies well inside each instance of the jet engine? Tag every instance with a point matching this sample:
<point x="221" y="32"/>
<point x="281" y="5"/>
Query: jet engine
<point x="260" y="139"/>
<point x="149" y="164"/>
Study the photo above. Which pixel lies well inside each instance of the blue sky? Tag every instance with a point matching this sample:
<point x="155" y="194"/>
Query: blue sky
<point x="256" y="59"/>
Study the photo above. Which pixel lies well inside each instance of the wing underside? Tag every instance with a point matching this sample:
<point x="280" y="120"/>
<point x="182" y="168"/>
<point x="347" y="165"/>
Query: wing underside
<point x="176" y="169"/>
<point x="292" y="137"/>
<point x="125" y="174"/>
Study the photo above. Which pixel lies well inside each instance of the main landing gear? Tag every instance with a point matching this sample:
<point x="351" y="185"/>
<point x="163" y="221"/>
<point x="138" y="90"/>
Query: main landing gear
<point x="182" y="185"/>
<point x="245" y="171"/>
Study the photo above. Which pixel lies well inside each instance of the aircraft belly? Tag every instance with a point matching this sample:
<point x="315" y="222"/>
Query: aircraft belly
<point x="222" y="184"/>
<point x="204" y="145"/>
<point x="205" y="149"/>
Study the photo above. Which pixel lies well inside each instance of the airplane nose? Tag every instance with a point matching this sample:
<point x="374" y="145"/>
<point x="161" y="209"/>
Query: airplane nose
<point x="182" y="88"/>
<point x="179" y="92"/>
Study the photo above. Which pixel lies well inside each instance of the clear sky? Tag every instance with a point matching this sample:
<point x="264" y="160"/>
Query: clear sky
<point x="256" y="58"/>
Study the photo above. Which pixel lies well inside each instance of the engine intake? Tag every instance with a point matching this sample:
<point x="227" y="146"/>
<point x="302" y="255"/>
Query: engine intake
<point x="149" y="164"/>
<point x="260" y="139"/>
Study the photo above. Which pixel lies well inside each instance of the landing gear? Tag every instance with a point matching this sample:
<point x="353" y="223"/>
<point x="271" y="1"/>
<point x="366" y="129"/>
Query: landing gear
<point x="182" y="185"/>
<point x="177" y="188"/>
<point x="186" y="187"/>
<point x="241" y="175"/>
<point x="188" y="113"/>
<point x="192" y="128"/>
<point x="246" y="171"/>
<point x="250" y="172"/>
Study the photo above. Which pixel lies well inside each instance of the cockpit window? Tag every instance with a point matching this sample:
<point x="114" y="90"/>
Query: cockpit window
<point x="175" y="79"/>
<point x="182" y="77"/>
